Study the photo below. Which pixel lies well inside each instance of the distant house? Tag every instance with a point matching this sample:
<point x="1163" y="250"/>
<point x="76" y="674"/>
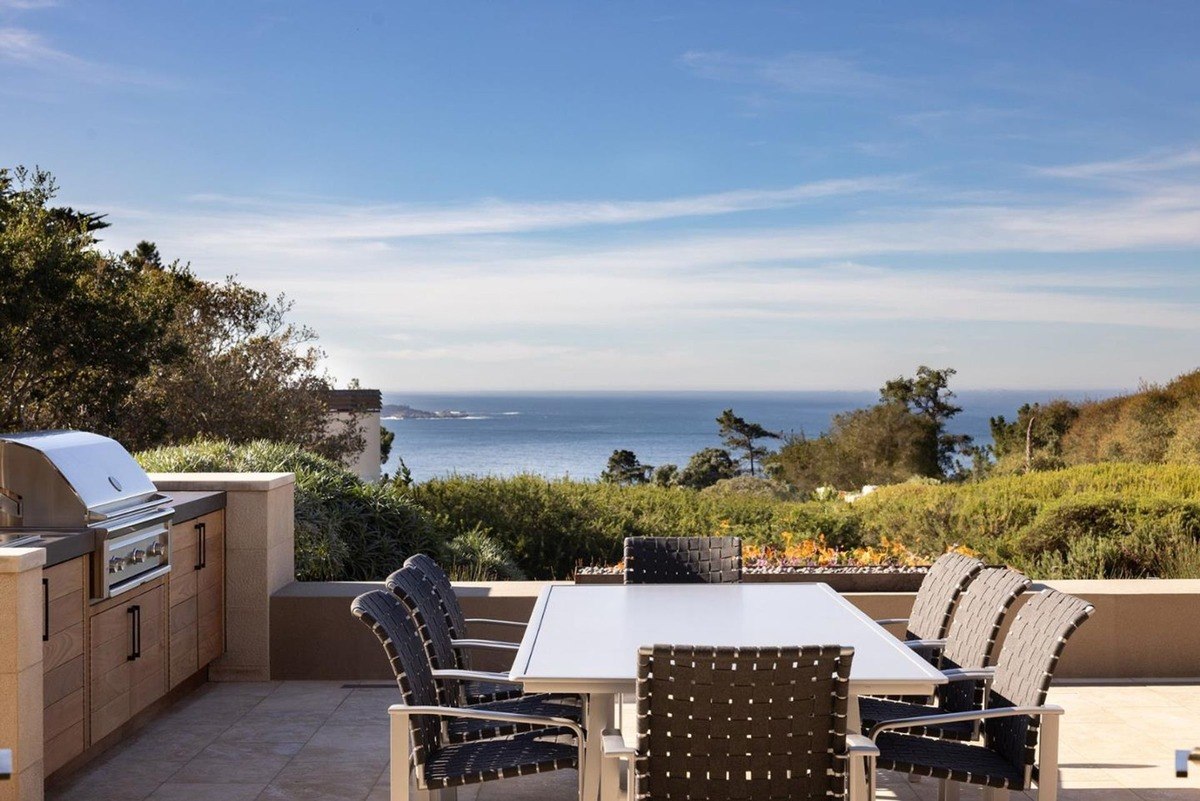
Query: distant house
<point x="363" y="406"/>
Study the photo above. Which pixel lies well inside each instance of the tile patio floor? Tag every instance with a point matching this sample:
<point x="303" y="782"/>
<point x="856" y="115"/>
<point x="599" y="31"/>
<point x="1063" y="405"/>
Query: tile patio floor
<point x="324" y="741"/>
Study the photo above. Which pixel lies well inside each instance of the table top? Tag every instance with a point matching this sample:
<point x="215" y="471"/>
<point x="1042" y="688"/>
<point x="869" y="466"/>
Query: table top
<point x="585" y="638"/>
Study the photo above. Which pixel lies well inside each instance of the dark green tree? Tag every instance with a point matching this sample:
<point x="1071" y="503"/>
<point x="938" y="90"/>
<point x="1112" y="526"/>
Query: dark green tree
<point x="881" y="444"/>
<point x="742" y="436"/>
<point x="927" y="395"/>
<point x="706" y="468"/>
<point x="1034" y="439"/>
<point x="387" y="438"/>
<point x="624" y="468"/>
<point x="78" y="330"/>
<point x="666" y="475"/>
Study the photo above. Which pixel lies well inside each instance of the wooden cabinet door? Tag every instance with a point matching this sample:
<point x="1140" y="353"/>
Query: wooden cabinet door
<point x="128" y="658"/>
<point x="196" y="620"/>
<point x="64" y="601"/>
<point x="149" y="670"/>
<point x="211" y="590"/>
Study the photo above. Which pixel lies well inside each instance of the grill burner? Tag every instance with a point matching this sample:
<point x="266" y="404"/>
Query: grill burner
<point x="75" y="482"/>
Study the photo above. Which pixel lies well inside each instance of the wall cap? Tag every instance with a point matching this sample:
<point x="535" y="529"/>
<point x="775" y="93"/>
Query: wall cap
<point x="229" y="482"/>
<point x="19" y="560"/>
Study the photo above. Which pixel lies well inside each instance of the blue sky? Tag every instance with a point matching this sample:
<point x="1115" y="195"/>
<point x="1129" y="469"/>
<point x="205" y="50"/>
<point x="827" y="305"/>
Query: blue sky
<point x="650" y="195"/>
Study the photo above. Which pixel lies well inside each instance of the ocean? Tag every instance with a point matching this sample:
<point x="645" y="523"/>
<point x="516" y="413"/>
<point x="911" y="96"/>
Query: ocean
<point x="573" y="434"/>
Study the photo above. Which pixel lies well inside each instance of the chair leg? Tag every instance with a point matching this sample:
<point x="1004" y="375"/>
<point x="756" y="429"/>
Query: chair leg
<point x="947" y="790"/>
<point x="995" y="794"/>
<point x="401" y="777"/>
<point x="1047" y="785"/>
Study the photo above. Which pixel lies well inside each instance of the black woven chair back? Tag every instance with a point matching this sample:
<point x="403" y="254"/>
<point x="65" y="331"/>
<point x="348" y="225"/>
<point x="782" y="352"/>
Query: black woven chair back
<point x="1030" y="654"/>
<point x="939" y="592"/>
<point x="752" y="723"/>
<point x="977" y="620"/>
<point x="683" y="560"/>
<point x="397" y="631"/>
<point x="416" y="593"/>
<point x="433" y="573"/>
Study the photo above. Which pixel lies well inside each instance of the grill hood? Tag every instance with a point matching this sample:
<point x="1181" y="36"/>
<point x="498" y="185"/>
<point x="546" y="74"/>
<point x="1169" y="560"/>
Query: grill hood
<point x="68" y="479"/>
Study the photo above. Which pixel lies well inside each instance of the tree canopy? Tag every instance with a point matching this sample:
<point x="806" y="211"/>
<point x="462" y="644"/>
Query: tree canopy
<point x="142" y="350"/>
<point x="624" y="468"/>
<point x="742" y="436"/>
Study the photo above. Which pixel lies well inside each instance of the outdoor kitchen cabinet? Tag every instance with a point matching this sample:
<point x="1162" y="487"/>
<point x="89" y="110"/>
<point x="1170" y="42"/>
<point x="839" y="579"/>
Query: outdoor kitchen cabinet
<point x="64" y="604"/>
<point x="128" y="656"/>
<point x="197" y="594"/>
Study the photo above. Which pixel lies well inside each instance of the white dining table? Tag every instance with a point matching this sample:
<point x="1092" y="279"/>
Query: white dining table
<point x="584" y="639"/>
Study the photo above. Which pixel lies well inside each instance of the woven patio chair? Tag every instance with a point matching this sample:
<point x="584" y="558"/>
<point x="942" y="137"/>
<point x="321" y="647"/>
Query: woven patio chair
<point x="455" y="620"/>
<point x="743" y="723"/>
<point x="683" y="560"/>
<point x="438" y="748"/>
<point x="936" y="597"/>
<point x="970" y="645"/>
<point x="1019" y="745"/>
<point x="447" y="652"/>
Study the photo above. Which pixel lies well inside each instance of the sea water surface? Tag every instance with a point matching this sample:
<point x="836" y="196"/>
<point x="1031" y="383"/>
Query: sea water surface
<point x="573" y="434"/>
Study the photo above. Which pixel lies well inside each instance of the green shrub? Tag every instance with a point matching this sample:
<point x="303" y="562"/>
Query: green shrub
<point x="1094" y="521"/>
<point x="345" y="529"/>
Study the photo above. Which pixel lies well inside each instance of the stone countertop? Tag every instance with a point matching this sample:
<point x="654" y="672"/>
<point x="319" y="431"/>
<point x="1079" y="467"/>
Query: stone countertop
<point x="190" y="505"/>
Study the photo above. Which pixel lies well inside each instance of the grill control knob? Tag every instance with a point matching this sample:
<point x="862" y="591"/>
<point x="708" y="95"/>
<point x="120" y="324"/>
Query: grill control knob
<point x="137" y="557"/>
<point x="157" y="549"/>
<point x="116" y="564"/>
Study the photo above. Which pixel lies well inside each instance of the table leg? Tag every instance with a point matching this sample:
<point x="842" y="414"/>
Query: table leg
<point x="599" y="718"/>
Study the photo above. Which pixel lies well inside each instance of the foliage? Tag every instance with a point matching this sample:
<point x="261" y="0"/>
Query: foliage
<point x="77" y="329"/>
<point x="665" y="475"/>
<point x="346" y="530"/>
<point x="141" y="350"/>
<point x="551" y="526"/>
<point x="928" y="396"/>
<point x="1112" y="520"/>
<point x="707" y="467"/>
<point x="756" y="486"/>
<point x="882" y="444"/>
<point x="387" y="438"/>
<point x="244" y="372"/>
<point x="624" y="468"/>
<point x="1033" y="441"/>
<point x="742" y="436"/>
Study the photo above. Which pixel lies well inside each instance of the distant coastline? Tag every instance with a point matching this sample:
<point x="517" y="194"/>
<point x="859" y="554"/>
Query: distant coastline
<point x="400" y="411"/>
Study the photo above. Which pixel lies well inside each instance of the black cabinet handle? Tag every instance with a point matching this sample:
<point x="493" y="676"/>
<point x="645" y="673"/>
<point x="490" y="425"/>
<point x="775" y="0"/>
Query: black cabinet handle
<point x="45" y="610"/>
<point x="201" y="548"/>
<point x="135" y="623"/>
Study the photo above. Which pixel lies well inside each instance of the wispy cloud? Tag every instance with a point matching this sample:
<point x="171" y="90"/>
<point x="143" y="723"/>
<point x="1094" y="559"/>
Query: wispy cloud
<point x="266" y="223"/>
<point x="1158" y="162"/>
<point x="796" y="72"/>
<point x="503" y="291"/>
<point x="28" y="49"/>
<point x="28" y="5"/>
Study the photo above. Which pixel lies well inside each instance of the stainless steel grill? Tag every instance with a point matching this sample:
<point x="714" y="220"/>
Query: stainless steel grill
<point x="74" y="482"/>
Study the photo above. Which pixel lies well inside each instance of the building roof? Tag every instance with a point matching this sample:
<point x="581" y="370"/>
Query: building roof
<point x="354" y="400"/>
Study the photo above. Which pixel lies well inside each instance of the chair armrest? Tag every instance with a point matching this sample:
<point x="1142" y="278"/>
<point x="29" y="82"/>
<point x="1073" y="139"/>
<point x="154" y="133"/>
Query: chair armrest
<point x="891" y="621"/>
<point x="969" y="674"/>
<point x="473" y="675"/>
<point x="858" y="745"/>
<point x="487" y="714"/>
<point x="926" y="645"/>
<point x="614" y="745"/>
<point x="490" y="622"/>
<point x="489" y="645"/>
<point x="965" y="717"/>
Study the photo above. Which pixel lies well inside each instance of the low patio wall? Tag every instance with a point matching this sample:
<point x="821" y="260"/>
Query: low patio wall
<point x="1142" y="629"/>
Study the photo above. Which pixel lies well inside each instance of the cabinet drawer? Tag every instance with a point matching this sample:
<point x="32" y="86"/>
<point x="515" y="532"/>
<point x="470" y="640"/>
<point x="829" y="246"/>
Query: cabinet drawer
<point x="128" y="659"/>
<point x="64" y="589"/>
